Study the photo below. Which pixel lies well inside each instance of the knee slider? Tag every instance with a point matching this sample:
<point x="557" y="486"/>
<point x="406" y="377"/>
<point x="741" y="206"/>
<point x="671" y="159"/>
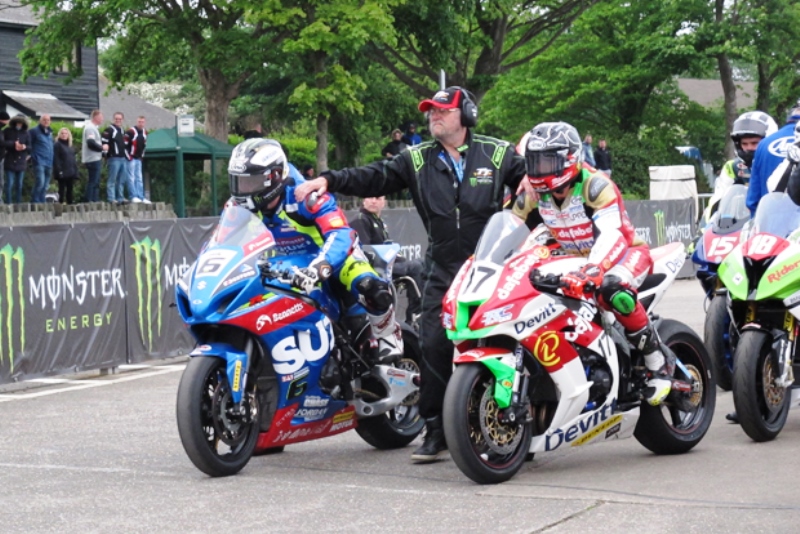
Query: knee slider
<point x="375" y="291"/>
<point x="618" y="294"/>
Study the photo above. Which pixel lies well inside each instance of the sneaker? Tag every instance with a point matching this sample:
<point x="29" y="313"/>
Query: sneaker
<point x="136" y="200"/>
<point x="146" y="201"/>
<point x="733" y="417"/>
<point x="433" y="444"/>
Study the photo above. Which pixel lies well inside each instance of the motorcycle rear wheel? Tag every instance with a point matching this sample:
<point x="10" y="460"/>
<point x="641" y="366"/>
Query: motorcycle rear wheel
<point x="217" y="440"/>
<point x="718" y="341"/>
<point x="486" y="450"/>
<point x="666" y="429"/>
<point x="762" y="407"/>
<point x="398" y="427"/>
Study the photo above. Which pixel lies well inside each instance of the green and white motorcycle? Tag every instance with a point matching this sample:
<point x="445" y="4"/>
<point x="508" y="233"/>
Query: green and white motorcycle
<point x="762" y="275"/>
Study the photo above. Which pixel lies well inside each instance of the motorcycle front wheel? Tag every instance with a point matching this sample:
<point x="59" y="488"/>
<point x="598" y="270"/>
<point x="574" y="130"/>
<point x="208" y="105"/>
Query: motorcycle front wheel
<point x="762" y="406"/>
<point x="218" y="436"/>
<point x="681" y="421"/>
<point x="718" y="341"/>
<point x="485" y="449"/>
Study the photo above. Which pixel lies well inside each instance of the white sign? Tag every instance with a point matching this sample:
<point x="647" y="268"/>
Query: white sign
<point x="186" y="126"/>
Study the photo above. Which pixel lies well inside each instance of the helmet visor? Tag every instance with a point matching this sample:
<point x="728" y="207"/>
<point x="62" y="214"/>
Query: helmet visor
<point x="254" y="184"/>
<point x="543" y="164"/>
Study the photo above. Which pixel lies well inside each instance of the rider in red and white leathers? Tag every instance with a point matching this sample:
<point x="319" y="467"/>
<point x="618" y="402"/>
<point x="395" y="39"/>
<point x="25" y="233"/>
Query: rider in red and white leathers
<point x="584" y="212"/>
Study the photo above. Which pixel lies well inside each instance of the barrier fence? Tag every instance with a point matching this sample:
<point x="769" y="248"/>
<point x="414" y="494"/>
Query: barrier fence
<point x="97" y="295"/>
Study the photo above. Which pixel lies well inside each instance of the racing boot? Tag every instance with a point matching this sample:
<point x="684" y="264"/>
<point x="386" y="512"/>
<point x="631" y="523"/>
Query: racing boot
<point x="433" y="444"/>
<point x="389" y="336"/>
<point x="659" y="368"/>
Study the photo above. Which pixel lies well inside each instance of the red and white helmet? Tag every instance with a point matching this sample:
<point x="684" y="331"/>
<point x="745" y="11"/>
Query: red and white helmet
<point x="553" y="156"/>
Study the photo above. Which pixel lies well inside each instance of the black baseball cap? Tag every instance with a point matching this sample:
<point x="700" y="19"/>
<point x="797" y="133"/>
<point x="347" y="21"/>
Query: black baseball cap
<point x="4" y="116"/>
<point x="449" y="98"/>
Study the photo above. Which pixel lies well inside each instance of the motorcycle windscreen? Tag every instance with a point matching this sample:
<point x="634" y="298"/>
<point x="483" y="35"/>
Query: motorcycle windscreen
<point x="504" y="235"/>
<point x="732" y="210"/>
<point x="776" y="215"/>
<point x="238" y="227"/>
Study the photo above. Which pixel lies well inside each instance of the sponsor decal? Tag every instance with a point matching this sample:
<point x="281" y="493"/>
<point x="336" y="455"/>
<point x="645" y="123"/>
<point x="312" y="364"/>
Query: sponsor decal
<point x="201" y="285"/>
<point x="582" y="322"/>
<point x="295" y="376"/>
<point x="148" y="267"/>
<point x="538" y="316"/>
<point x="777" y="275"/>
<point x="447" y="320"/>
<point x="342" y="421"/>
<point x="616" y="252"/>
<point x="12" y="304"/>
<point x="614" y="430"/>
<point x="249" y="272"/>
<point x="546" y="349"/>
<point x="291" y="353"/>
<point x="599" y="429"/>
<point x="311" y="414"/>
<point x="571" y="434"/>
<point x="482" y="176"/>
<point x="262" y="321"/>
<point x="497" y="316"/>
<point x="210" y="263"/>
<point x="541" y="252"/>
<point x="237" y="374"/>
<point x="779" y="147"/>
<point x="661" y="230"/>
<point x="675" y="265"/>
<point x="314" y="401"/>
<point x="261" y="242"/>
<point x="519" y="271"/>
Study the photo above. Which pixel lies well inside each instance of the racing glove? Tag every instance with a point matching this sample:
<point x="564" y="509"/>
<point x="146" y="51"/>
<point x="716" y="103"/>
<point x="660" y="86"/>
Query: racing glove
<point x="317" y="271"/>
<point x="586" y="280"/>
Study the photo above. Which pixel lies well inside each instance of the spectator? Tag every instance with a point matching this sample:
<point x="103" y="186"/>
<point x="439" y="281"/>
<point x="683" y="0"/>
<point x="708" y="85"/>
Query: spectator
<point x="4" y="118"/>
<point x="117" y="154"/>
<point x="91" y="155"/>
<point x="254" y="132"/>
<point x="65" y="167"/>
<point x="395" y="146"/>
<point x="372" y="231"/>
<point x="411" y="137"/>
<point x="41" y="137"/>
<point x="308" y="172"/>
<point x="136" y="141"/>
<point x="479" y="167"/>
<point x="588" y="151"/>
<point x="770" y="153"/>
<point x="16" y="140"/>
<point x="603" y="157"/>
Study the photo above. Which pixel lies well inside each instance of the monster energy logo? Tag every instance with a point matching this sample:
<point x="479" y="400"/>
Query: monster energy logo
<point x="148" y="270"/>
<point x="12" y="304"/>
<point x="661" y="228"/>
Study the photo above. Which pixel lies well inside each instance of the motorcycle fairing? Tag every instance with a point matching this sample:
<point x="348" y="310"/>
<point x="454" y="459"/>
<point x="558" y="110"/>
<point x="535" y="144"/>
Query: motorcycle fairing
<point x="667" y="261"/>
<point x="501" y="363"/>
<point x="236" y="365"/>
<point x="286" y="430"/>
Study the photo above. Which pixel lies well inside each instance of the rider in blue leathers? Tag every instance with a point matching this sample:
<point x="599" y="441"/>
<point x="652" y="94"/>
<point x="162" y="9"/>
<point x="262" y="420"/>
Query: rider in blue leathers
<point x="262" y="181"/>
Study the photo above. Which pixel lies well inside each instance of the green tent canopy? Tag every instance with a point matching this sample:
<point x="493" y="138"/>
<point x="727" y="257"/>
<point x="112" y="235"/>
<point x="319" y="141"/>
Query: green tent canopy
<point x="165" y="144"/>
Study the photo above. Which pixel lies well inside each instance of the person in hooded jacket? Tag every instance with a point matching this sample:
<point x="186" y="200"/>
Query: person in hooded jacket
<point x="65" y="166"/>
<point x="16" y="141"/>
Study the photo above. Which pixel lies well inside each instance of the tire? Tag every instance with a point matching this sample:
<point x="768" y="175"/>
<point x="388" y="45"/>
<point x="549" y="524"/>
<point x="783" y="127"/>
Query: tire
<point x="762" y="410"/>
<point x="216" y="443"/>
<point x="470" y="388"/>
<point x="397" y="428"/>
<point x="718" y="342"/>
<point x="666" y="429"/>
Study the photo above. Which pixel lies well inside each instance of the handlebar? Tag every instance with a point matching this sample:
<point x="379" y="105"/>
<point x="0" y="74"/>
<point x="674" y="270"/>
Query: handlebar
<point x="551" y="282"/>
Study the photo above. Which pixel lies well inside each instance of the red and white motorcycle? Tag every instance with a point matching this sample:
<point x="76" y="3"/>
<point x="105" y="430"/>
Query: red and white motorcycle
<point x="537" y="371"/>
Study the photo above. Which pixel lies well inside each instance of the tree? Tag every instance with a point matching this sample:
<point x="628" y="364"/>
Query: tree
<point x="474" y="42"/>
<point x="162" y="36"/>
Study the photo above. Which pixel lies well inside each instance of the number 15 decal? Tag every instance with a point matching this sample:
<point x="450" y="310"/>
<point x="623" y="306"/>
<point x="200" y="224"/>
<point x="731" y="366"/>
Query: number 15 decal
<point x="721" y="246"/>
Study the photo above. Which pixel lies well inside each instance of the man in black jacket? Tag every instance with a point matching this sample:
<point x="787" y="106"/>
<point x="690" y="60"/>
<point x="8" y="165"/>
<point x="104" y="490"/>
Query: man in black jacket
<point x="4" y="118"/>
<point x="457" y="182"/>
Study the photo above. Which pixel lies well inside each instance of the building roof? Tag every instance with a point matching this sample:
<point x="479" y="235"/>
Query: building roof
<point x="12" y="12"/>
<point x="38" y="104"/>
<point x="709" y="92"/>
<point x="132" y="106"/>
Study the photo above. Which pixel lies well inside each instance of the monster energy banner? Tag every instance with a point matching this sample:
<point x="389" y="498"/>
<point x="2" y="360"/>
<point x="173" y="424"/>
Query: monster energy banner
<point x="92" y="296"/>
<point x="62" y="299"/>
<point x="157" y="254"/>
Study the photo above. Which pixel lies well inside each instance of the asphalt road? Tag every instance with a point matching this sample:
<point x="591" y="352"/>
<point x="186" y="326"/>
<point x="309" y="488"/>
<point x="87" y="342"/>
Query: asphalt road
<point x="102" y="454"/>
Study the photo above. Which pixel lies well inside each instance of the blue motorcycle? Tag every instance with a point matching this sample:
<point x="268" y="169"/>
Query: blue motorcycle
<point x="274" y="365"/>
<point x="720" y="237"/>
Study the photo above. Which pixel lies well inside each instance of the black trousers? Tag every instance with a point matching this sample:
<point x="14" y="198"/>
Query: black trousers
<point x="437" y="350"/>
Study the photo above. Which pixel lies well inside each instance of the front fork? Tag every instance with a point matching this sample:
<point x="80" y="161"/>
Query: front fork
<point x="513" y="400"/>
<point x="783" y="345"/>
